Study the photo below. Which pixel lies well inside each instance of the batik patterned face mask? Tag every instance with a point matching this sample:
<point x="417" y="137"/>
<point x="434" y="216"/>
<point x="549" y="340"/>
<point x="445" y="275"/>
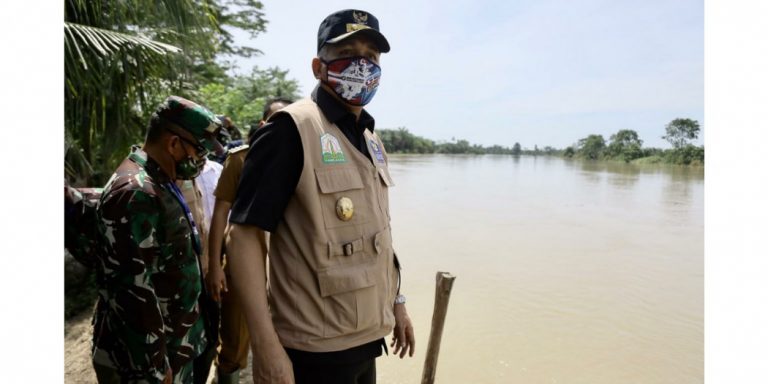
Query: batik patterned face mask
<point x="353" y="79"/>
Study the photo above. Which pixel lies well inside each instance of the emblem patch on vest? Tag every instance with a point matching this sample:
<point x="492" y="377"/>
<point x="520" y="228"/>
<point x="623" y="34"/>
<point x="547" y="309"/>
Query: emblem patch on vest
<point x="331" y="149"/>
<point x="377" y="153"/>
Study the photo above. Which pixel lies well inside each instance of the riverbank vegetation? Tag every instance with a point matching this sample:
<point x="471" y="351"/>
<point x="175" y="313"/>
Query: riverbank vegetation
<point x="400" y="140"/>
<point x="625" y="145"/>
<point x="123" y="58"/>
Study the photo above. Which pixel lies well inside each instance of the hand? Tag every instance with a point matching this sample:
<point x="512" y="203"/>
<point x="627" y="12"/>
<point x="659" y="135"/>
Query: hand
<point x="216" y="281"/>
<point x="402" y="337"/>
<point x="271" y="365"/>
<point x="168" y="376"/>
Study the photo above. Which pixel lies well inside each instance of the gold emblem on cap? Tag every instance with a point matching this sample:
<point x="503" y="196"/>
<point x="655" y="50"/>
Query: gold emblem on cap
<point x="345" y="209"/>
<point x="360" y="17"/>
<point x="356" y="27"/>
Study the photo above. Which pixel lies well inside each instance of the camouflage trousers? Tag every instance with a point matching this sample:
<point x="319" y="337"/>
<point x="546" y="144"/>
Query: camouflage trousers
<point x="108" y="375"/>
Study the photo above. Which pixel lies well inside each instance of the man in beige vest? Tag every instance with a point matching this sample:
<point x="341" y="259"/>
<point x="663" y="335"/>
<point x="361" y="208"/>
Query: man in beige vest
<point x="316" y="178"/>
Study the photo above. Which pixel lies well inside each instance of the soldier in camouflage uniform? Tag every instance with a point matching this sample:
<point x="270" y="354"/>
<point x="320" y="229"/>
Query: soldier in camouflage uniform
<point x="148" y="326"/>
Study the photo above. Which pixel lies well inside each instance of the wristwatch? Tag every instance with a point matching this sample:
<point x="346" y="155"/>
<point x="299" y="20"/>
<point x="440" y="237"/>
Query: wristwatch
<point x="400" y="299"/>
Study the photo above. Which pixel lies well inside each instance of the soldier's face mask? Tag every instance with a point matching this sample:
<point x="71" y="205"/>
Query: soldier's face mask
<point x="190" y="167"/>
<point x="354" y="79"/>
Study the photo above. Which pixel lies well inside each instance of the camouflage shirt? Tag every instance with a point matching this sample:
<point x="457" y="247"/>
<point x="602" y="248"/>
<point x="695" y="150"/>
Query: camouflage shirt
<point x="147" y="317"/>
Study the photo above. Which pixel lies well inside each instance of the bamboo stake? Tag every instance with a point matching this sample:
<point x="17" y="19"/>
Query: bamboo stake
<point x="443" y="287"/>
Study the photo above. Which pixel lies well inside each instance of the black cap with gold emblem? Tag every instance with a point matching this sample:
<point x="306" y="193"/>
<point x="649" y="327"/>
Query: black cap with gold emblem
<point x="342" y="24"/>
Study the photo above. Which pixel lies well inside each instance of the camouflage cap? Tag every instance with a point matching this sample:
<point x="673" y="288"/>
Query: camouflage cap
<point x="194" y="118"/>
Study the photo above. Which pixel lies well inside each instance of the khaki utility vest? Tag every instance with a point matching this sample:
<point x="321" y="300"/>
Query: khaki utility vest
<point x="333" y="282"/>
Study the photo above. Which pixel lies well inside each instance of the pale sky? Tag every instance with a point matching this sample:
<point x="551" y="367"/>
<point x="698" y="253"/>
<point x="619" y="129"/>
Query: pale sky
<point x="544" y="72"/>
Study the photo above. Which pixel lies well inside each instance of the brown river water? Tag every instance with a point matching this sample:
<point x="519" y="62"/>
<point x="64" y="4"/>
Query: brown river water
<point x="567" y="271"/>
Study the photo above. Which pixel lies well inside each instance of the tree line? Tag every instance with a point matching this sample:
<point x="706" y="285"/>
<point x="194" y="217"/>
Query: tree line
<point x="401" y="140"/>
<point x="625" y="145"/>
<point x="122" y="58"/>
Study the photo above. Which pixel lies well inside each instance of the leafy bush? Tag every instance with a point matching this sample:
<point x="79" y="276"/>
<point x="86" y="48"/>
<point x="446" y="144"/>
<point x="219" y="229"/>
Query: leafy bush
<point x="686" y="155"/>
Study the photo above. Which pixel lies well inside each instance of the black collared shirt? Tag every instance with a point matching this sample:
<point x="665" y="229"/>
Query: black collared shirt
<point x="271" y="172"/>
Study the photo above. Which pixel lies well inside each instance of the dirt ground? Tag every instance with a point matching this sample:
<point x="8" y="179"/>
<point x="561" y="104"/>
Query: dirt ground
<point x="77" y="353"/>
<point x="77" y="350"/>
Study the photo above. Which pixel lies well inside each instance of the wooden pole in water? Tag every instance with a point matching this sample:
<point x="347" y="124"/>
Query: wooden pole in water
<point x="442" y="295"/>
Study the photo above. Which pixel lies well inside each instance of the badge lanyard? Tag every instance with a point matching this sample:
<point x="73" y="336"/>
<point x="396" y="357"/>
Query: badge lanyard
<point x="180" y="197"/>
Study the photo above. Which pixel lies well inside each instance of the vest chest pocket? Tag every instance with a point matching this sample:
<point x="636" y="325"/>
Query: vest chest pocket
<point x="342" y="197"/>
<point x="351" y="299"/>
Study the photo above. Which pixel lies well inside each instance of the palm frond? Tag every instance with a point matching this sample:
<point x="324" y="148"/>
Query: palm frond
<point x="121" y="59"/>
<point x="105" y="43"/>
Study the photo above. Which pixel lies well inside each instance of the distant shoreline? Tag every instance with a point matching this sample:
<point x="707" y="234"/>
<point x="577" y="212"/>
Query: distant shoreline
<point x="649" y="160"/>
<point x="625" y="146"/>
